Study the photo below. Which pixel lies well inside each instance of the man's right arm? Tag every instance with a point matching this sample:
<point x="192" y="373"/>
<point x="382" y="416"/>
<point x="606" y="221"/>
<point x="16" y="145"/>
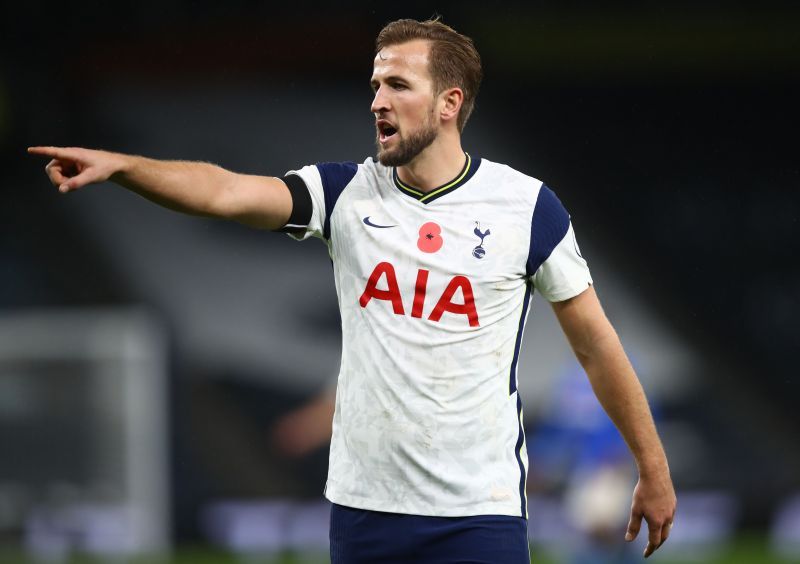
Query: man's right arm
<point x="191" y="187"/>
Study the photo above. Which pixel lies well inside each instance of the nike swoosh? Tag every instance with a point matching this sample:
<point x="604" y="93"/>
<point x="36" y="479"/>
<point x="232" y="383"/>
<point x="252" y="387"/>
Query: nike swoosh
<point x="368" y="222"/>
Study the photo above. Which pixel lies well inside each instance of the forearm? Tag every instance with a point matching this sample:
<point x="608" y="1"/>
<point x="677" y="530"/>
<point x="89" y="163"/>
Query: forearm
<point x="616" y="386"/>
<point x="191" y="187"/>
<point x="598" y="348"/>
<point x="619" y="392"/>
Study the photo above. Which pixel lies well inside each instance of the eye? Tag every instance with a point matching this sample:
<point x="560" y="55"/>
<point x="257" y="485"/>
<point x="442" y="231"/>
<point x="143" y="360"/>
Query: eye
<point x="399" y="86"/>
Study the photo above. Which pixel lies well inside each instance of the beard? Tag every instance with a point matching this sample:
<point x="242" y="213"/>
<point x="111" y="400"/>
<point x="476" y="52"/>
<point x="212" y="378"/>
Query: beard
<point x="407" y="147"/>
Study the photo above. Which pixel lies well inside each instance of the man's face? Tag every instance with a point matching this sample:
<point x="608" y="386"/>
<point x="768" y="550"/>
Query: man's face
<point x="404" y="104"/>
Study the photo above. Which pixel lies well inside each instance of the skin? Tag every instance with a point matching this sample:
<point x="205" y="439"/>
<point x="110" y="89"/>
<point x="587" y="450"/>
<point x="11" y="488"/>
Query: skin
<point x="190" y="187"/>
<point x="404" y="98"/>
<point x="600" y="352"/>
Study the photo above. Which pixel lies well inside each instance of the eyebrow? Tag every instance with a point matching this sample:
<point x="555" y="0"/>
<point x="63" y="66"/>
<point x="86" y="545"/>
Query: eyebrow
<point x="390" y="78"/>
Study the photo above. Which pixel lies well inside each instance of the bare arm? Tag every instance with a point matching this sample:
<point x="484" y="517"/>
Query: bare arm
<point x="191" y="187"/>
<point x="306" y="428"/>
<point x="616" y="386"/>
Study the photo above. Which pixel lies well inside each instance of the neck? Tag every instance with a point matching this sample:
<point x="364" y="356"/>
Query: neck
<point x="436" y="165"/>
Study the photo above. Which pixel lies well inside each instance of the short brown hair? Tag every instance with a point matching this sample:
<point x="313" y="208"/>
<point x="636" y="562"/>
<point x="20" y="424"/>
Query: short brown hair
<point x="454" y="61"/>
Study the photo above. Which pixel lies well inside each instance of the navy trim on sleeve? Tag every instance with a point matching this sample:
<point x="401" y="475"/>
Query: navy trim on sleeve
<point x="512" y="377"/>
<point x="335" y="176"/>
<point x="302" y="207"/>
<point x="549" y="224"/>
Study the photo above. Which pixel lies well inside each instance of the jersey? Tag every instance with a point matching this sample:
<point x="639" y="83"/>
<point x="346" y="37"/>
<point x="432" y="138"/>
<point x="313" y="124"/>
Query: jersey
<point x="433" y="290"/>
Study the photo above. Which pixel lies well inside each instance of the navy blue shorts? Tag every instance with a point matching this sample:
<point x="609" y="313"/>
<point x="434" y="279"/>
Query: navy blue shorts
<point x="359" y="536"/>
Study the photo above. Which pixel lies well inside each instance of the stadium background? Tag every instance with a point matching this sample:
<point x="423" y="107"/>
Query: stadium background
<point x="668" y="132"/>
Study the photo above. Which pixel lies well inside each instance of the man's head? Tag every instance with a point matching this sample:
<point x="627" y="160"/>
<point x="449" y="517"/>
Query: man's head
<point x="426" y="75"/>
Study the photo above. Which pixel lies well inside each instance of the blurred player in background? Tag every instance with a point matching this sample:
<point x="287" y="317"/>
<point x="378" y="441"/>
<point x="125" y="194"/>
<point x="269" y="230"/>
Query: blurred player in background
<point x="581" y="458"/>
<point x="435" y="254"/>
<point x="306" y="428"/>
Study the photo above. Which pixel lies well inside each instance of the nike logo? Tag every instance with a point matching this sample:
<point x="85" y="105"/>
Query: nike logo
<point x="368" y="222"/>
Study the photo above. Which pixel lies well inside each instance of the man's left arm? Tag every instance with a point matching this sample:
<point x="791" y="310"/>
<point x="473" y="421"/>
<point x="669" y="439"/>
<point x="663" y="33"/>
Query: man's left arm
<point x="616" y="386"/>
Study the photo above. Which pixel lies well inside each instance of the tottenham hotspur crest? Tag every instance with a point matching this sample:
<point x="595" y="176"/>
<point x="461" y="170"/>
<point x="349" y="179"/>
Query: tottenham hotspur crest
<point x="479" y="252"/>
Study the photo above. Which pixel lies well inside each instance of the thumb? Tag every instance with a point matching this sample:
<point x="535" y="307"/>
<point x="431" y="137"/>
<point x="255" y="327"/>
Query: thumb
<point x="79" y="181"/>
<point x="634" y="524"/>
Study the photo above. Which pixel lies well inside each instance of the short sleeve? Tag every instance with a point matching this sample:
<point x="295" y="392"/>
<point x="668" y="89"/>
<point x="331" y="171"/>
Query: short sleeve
<point x="555" y="264"/>
<point x="311" y="178"/>
<point x="325" y="183"/>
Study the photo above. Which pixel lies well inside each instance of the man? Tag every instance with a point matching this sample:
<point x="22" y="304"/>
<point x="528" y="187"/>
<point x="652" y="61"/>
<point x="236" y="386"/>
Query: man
<point x="435" y="256"/>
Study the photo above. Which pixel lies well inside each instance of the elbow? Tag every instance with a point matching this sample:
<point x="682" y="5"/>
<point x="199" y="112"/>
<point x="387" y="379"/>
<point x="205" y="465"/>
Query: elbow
<point x="596" y="348"/>
<point x="221" y="200"/>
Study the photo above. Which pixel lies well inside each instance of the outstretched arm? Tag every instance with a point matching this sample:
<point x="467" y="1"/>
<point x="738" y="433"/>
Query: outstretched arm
<point x="191" y="187"/>
<point x="616" y="386"/>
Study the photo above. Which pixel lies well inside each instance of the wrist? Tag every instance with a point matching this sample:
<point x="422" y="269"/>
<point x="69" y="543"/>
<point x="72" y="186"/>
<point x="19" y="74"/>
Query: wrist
<point x="122" y="169"/>
<point x="122" y="165"/>
<point x="653" y="467"/>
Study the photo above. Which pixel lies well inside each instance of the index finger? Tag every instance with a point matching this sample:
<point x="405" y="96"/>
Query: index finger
<point x="654" y="539"/>
<point x="54" y="152"/>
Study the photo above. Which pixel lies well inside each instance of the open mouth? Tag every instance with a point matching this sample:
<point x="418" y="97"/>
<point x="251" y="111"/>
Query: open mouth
<point x="385" y="131"/>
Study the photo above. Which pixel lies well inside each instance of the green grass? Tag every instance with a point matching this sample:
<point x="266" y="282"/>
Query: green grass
<point x="746" y="549"/>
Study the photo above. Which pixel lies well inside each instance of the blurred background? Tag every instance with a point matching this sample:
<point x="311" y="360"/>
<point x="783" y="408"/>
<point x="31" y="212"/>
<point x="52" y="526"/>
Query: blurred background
<point x="165" y="380"/>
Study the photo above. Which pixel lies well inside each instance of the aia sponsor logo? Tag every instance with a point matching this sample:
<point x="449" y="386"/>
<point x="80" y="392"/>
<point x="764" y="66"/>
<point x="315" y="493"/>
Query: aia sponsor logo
<point x="384" y="275"/>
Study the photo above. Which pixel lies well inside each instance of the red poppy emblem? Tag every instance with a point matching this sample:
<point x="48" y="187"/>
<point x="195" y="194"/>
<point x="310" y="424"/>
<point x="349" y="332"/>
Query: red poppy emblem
<point x="430" y="238"/>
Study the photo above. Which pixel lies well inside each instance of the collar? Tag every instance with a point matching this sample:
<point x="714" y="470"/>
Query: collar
<point x="470" y="167"/>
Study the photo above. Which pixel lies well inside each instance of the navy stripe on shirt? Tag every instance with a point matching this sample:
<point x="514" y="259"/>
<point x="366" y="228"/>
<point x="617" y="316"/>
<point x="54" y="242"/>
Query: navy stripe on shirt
<point x="335" y="177"/>
<point x="549" y="224"/>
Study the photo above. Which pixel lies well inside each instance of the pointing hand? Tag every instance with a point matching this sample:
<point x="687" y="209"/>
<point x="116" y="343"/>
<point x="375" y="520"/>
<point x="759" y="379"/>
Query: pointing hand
<point x="72" y="168"/>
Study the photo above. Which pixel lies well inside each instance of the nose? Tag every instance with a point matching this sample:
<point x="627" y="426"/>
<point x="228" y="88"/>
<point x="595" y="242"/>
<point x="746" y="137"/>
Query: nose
<point x="380" y="103"/>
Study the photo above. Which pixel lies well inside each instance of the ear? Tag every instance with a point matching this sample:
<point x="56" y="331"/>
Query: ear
<point x="450" y="101"/>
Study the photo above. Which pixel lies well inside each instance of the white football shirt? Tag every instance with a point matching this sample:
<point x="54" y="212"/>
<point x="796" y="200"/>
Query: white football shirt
<point x="434" y="291"/>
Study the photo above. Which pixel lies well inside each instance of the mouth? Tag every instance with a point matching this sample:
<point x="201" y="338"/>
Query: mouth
<point x="386" y="130"/>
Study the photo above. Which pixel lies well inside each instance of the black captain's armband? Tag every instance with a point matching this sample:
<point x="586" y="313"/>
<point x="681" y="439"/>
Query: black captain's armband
<point x="301" y="205"/>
